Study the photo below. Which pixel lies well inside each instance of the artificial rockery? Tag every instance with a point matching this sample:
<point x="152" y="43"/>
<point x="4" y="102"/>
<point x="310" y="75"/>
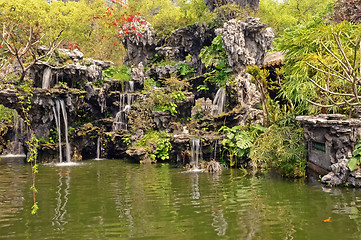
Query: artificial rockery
<point x="171" y="104"/>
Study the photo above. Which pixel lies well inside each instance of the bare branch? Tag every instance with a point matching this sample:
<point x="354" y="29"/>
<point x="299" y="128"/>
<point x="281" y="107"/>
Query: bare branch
<point x="320" y="70"/>
<point x="330" y="92"/>
<point x="342" y="63"/>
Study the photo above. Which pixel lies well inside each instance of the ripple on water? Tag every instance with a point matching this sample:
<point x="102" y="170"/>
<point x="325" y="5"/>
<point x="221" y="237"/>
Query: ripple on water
<point x="64" y="164"/>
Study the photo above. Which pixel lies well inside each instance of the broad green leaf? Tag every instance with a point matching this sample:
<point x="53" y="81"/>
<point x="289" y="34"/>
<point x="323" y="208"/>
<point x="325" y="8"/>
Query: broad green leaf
<point x="352" y="164"/>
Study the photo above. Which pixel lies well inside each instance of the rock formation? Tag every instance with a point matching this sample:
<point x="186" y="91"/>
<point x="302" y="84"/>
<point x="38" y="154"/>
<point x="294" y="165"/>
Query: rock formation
<point x="331" y="139"/>
<point x="95" y="105"/>
<point x="246" y="42"/>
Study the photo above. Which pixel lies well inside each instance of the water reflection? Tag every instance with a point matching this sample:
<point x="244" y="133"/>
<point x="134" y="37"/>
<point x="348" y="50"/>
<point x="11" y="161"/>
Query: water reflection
<point x="195" y="188"/>
<point x="219" y="222"/>
<point x="12" y="184"/>
<point x="116" y="200"/>
<point x="59" y="220"/>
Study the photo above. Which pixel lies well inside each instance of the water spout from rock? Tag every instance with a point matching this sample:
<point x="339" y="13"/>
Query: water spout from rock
<point x="215" y="149"/>
<point x="131" y="86"/>
<point x="196" y="150"/>
<point x="98" y="149"/>
<point x="17" y="149"/>
<point x="60" y="105"/>
<point x="46" y="78"/>
<point x="125" y="102"/>
<point x="219" y="101"/>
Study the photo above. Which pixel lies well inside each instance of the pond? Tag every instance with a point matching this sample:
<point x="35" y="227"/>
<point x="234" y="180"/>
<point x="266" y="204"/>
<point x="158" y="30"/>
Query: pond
<point x="114" y="199"/>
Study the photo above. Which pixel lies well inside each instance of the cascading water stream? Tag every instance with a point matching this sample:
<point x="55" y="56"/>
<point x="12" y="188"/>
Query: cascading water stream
<point x="125" y="102"/>
<point x="60" y="105"/>
<point x="215" y="149"/>
<point x="98" y="149"/>
<point x="56" y="110"/>
<point x="17" y="149"/>
<point x="219" y="101"/>
<point x="65" y="117"/>
<point x="196" y="150"/>
<point x="46" y="78"/>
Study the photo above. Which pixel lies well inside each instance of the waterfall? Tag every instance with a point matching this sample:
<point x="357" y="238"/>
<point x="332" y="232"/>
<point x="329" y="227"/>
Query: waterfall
<point x="98" y="149"/>
<point x="131" y="86"/>
<point x="19" y="126"/>
<point x="56" y="111"/>
<point x="46" y="78"/>
<point x="102" y="100"/>
<point x="219" y="101"/>
<point x="215" y="149"/>
<point x="125" y="102"/>
<point x="196" y="150"/>
<point x="60" y="105"/>
<point x="65" y="117"/>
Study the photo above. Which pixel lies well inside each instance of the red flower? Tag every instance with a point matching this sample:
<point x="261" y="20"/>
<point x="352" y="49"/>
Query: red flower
<point x="114" y="44"/>
<point x="1" y="46"/>
<point x="139" y="35"/>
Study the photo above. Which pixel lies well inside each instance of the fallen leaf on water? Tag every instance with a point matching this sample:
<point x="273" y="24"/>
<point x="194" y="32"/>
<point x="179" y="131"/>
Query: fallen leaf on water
<point x="327" y="220"/>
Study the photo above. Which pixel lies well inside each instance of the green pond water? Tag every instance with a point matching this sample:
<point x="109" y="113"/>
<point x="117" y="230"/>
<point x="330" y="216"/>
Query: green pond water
<point x="113" y="199"/>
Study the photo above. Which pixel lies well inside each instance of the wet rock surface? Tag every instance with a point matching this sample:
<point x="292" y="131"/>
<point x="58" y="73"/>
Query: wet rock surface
<point x="331" y="139"/>
<point x="93" y="105"/>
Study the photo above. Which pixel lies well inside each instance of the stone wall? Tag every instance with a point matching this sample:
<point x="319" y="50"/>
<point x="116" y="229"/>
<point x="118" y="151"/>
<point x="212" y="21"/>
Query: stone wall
<point x="331" y="139"/>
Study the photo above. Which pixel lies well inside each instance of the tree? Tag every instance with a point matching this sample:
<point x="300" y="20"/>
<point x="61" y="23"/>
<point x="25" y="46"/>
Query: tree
<point x="284" y="14"/>
<point x="315" y="47"/>
<point x="349" y="73"/>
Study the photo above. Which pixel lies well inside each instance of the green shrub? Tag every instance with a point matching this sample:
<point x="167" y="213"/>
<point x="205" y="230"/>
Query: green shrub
<point x="122" y="72"/>
<point x="281" y="148"/>
<point x="157" y="144"/>
<point x="6" y="113"/>
<point x="355" y="161"/>
<point x="239" y="140"/>
<point x="214" y="57"/>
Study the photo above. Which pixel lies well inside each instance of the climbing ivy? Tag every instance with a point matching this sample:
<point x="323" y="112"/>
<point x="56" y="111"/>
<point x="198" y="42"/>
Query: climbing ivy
<point x="24" y="95"/>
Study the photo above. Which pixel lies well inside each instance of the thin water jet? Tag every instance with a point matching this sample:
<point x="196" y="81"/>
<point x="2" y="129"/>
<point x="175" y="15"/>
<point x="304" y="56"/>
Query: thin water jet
<point x="47" y="75"/>
<point x="60" y="105"/>
<point x="196" y="150"/>
<point x="219" y="101"/>
<point x="125" y="102"/>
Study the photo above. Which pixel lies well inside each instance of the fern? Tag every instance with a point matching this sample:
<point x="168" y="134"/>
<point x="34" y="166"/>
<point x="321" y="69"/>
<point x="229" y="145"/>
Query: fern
<point x="239" y="141"/>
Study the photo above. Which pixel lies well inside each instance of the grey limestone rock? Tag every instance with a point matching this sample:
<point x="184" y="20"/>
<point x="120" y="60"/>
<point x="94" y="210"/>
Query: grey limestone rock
<point x="246" y="42"/>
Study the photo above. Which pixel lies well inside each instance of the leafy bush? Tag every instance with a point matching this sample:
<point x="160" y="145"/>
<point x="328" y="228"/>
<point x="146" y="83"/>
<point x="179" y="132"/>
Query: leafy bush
<point x="214" y="57"/>
<point x="281" y="148"/>
<point x="161" y="101"/>
<point x="239" y="140"/>
<point x="6" y="114"/>
<point x="308" y="46"/>
<point x="157" y="144"/>
<point x="122" y="72"/>
<point x="355" y="161"/>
